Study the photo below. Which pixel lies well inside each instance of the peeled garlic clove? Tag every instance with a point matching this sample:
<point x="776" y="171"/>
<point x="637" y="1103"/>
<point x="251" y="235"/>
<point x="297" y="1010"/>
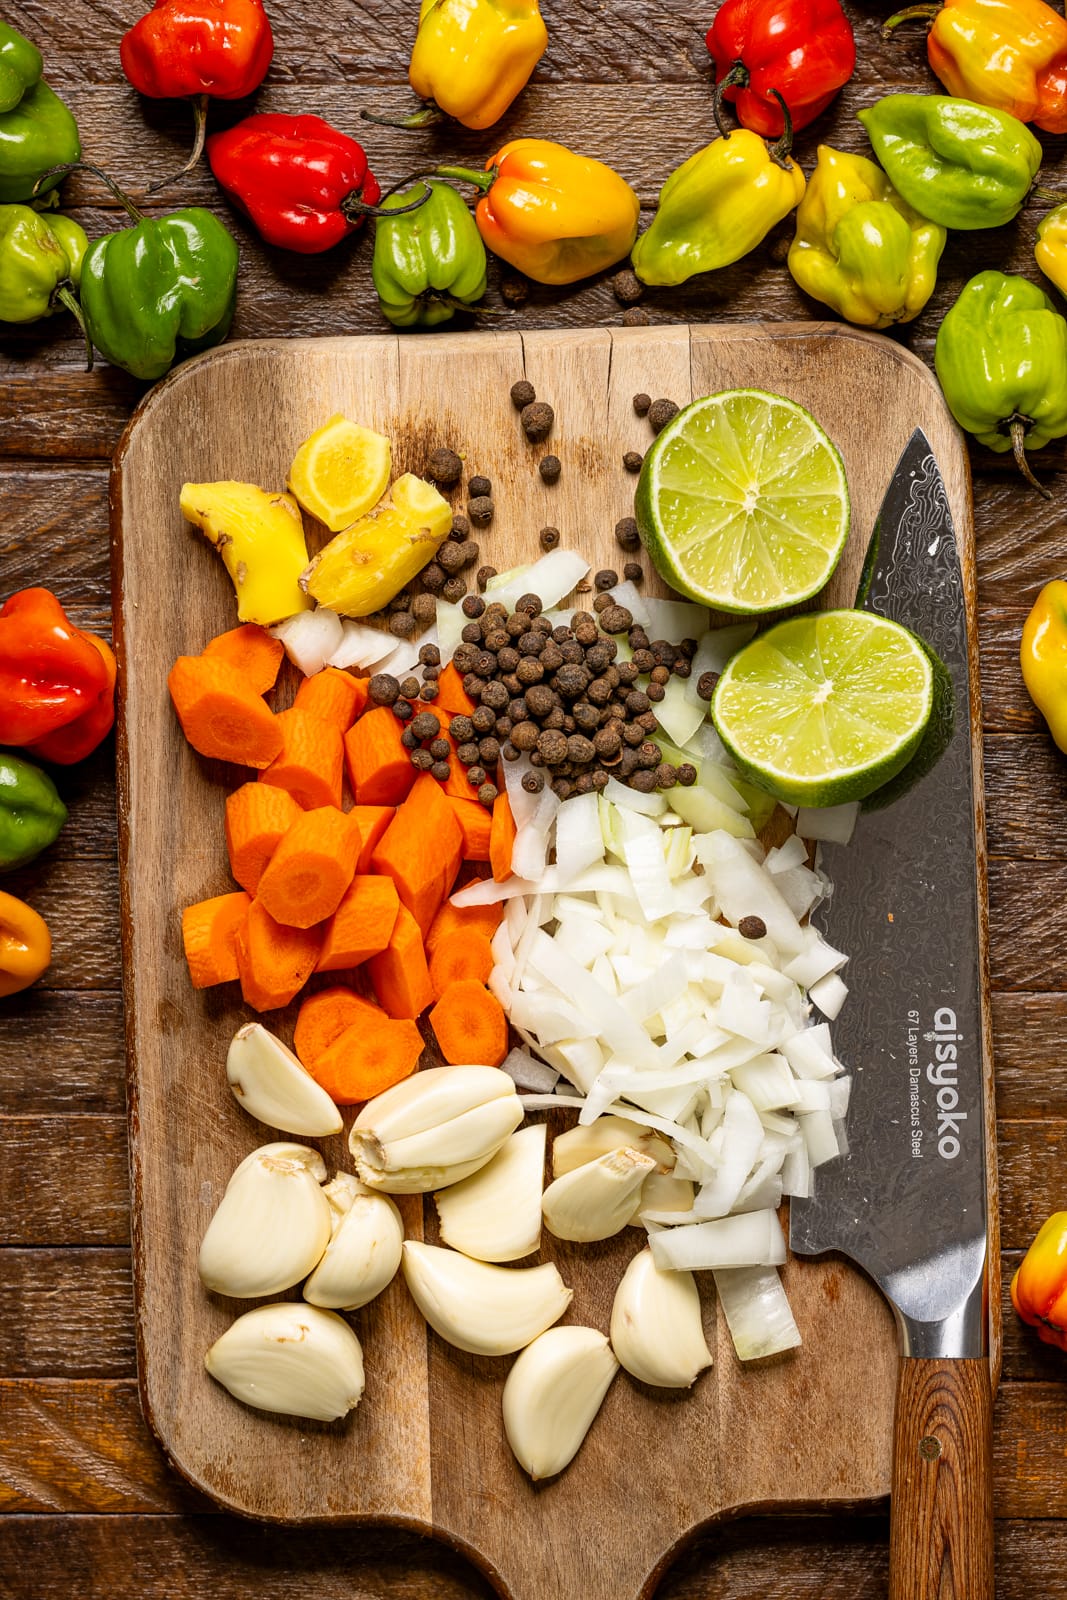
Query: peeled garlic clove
<point x="272" y="1085"/>
<point x="291" y="1358"/>
<point x="434" y="1129"/>
<point x="495" y="1215"/>
<point x="596" y="1200"/>
<point x="487" y="1310"/>
<point x="552" y="1394"/>
<point x="662" y="1191"/>
<point x="271" y="1226"/>
<point x="582" y="1144"/>
<point x="657" y="1330"/>
<point x="363" y="1255"/>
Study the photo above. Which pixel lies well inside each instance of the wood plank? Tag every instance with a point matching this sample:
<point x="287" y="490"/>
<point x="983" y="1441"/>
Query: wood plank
<point x="67" y="1313"/>
<point x="1026" y="796"/>
<point x="56" y="530"/>
<point x="85" y="1198"/>
<point x="63" y="1051"/>
<point x="1029" y="913"/>
<point x="1006" y="706"/>
<point x="82" y="913"/>
<point x="1028" y="1051"/>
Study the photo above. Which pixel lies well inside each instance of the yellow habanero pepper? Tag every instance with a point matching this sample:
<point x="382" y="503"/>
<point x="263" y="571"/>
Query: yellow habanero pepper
<point x="1050" y="250"/>
<point x="25" y="945"/>
<point x="1039" y="1287"/>
<point x="472" y="57"/>
<point x="1043" y="658"/>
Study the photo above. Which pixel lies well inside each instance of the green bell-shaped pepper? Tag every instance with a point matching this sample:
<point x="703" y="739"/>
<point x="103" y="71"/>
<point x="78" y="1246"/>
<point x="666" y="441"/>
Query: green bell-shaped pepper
<point x="159" y="291"/>
<point x="960" y="164"/>
<point x="35" y="135"/>
<point x="430" y="263"/>
<point x="859" y="247"/>
<point x="1001" y="358"/>
<point x="20" y="66"/>
<point x="31" y="812"/>
<point x="40" y="263"/>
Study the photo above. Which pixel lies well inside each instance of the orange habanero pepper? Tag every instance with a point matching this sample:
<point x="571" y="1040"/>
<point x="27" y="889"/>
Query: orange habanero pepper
<point x="1039" y="1287"/>
<point x="25" y="945"/>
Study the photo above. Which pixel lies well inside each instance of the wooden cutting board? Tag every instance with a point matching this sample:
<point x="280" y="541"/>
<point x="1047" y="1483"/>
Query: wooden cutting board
<point x="425" y="1449"/>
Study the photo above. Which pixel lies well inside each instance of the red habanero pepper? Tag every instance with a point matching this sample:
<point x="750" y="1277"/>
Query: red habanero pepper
<point x="50" y="672"/>
<point x="200" y="49"/>
<point x="78" y="739"/>
<point x="802" y="49"/>
<point x="304" y="184"/>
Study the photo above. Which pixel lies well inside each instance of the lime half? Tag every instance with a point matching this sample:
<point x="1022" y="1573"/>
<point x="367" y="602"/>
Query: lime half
<point x="826" y="707"/>
<point x="742" y="502"/>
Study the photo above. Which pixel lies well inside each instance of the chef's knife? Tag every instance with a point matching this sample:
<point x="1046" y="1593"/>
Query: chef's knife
<point x="908" y="1201"/>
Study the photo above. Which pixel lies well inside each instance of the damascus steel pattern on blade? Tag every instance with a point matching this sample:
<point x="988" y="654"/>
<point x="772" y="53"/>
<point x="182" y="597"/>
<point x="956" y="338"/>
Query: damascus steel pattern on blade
<point x="908" y="1202"/>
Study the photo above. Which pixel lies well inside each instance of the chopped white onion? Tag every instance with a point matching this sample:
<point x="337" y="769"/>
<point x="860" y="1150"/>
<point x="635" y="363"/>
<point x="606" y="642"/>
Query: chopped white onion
<point x="674" y="619"/>
<point x="829" y="994"/>
<point x="312" y="637"/>
<point x="678" y="713"/>
<point x="751" y="1239"/>
<point x="579" y="840"/>
<point x="550" y="578"/>
<point x="649" y="805"/>
<point x="793" y="852"/>
<point x="832" y="823"/>
<point x="361" y="645"/>
<point x="757" y="1312"/>
<point x="450" y="625"/>
<point x="529" y="1073"/>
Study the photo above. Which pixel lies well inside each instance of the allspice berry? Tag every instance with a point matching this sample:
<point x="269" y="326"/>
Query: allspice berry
<point x="642" y="403"/>
<point x="523" y="394"/>
<point x="626" y="534"/>
<point x="480" y="510"/>
<point x="515" y="291"/>
<point x="537" y="420"/>
<point x="627" y="287"/>
<point x="444" y="467"/>
<point x="550" y="468"/>
<point x="635" y="317"/>
<point x="479" y="486"/>
<point x="660" y="413"/>
<point x="548" y="538"/>
<point x="632" y="460"/>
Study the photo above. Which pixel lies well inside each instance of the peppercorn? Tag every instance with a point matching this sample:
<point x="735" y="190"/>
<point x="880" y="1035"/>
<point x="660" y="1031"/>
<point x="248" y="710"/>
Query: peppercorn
<point x="706" y="684"/>
<point x="515" y="291"/>
<point x="627" y="287"/>
<point x="426" y="725"/>
<point x="664" y="653"/>
<point x="584" y="715"/>
<point x="580" y="749"/>
<point x="628" y="672"/>
<point x="660" y="674"/>
<point x="461" y="728"/>
<point x="607" y="742"/>
<point x="552" y="746"/>
<point x="563" y="788"/>
<point x="441" y="771"/>
<point x="586" y="634"/>
<point x="606" y="578"/>
<point x="409" y="688"/>
<point x="488" y="751"/>
<point x="632" y="460"/>
<point x="454" y="588"/>
<point x="440" y="749"/>
<point x="481" y="511"/>
<point x="523" y="393"/>
<point x="635" y="317"/>
<point x="475" y="776"/>
<point x="562" y="634"/>
<point x="533" y="782"/>
<point x="430" y="690"/>
<point x="401" y="601"/>
<point x="483" y="575"/>
<point x="449" y="558"/>
<point x="487" y="793"/>
<point x="503" y="728"/>
<point x="494" y="639"/>
<point x="473" y="606"/>
<point x="687" y="647"/>
<point x="460" y="526"/>
<point x="433" y="577"/>
<point x="616" y="619"/>
<point x="660" y="413"/>
<point x="572" y="651"/>
<point x="495" y="695"/>
<point x="444" y="467"/>
<point x="530" y="643"/>
<point x="424" y="610"/>
<point x="648" y="721"/>
<point x="483" y="720"/>
<point x="422" y="760"/>
<point x="649" y="754"/>
<point x="403" y="709"/>
<point x="543" y="626"/>
<point x="643" y="781"/>
<point x="529" y="604"/>
<point x="626" y="534"/>
<point x="516" y="709"/>
<point x="524" y="735"/>
<point x="643" y="660"/>
<point x="408" y="739"/>
<point x="509" y="752"/>
<point x="666" y="775"/>
<point x="656" y="692"/>
<point x="470" y="551"/>
<point x="550" y="468"/>
<point x="627" y="763"/>
<point x="636" y="702"/>
<point x="633" y="735"/>
<point x="634" y="572"/>
<point x="642" y="402"/>
<point x="507" y="657"/>
<point x="752" y="928"/>
<point x="472" y="632"/>
<point x="548" y="538"/>
<point x="478" y="487"/>
<point x="638" y="638"/>
<point x="682" y="668"/>
<point x="537" y="419"/>
<point x="569" y="724"/>
<point x="540" y="700"/>
<point x="687" y="774"/>
<point x="512" y="685"/>
<point x="468" y="753"/>
<point x="572" y="679"/>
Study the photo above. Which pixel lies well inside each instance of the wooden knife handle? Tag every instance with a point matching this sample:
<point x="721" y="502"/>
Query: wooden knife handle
<point x="941" y="1525"/>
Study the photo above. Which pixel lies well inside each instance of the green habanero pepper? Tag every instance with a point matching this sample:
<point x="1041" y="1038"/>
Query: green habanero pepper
<point x="36" y="135"/>
<point x="20" y="66"/>
<point x="159" y="291"/>
<point x="40" y="263"/>
<point x="429" y="263"/>
<point x="31" y="812"/>
<point x="960" y="164"/>
<point x="1001" y="358"/>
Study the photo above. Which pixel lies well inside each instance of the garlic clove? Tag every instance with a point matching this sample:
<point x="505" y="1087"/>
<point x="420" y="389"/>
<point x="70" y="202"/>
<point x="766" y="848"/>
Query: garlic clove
<point x="290" y="1358"/>
<point x="495" y="1215"/>
<point x="552" y="1394"/>
<point x="271" y="1225"/>
<point x="487" y="1310"/>
<point x="275" y="1088"/>
<point x="657" y="1330"/>
<point x="662" y="1191"/>
<point x="363" y="1255"/>
<point x="585" y="1143"/>
<point x="434" y="1129"/>
<point x="596" y="1200"/>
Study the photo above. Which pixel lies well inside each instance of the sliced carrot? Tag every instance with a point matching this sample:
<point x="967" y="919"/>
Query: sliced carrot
<point x="332" y="695"/>
<point x="399" y="974"/>
<point x="469" y="1025"/>
<point x="463" y="919"/>
<point x="273" y="962"/>
<point x="305" y="879"/>
<point x="220" y="716"/>
<point x="451" y="695"/>
<point x="372" y="822"/>
<point x="379" y="768"/>
<point x="368" y="1059"/>
<point x="460" y="955"/>
<point x="421" y="849"/>
<point x="501" y="838"/>
<point x="362" y="925"/>
<point x="324" y="1016"/>
<point x="455" y="785"/>
<point x="257" y="815"/>
<point x="311" y="760"/>
<point x="252" y="651"/>
<point x="474" y="821"/>
<point x="209" y="934"/>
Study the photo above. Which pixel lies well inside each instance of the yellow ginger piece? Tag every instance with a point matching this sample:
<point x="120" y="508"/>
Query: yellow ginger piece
<point x="340" y="472"/>
<point x="260" y="537"/>
<point x="364" y="567"/>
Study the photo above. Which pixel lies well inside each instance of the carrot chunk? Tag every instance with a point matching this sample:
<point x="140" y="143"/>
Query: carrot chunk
<point x="421" y="849"/>
<point x="334" y="696"/>
<point x="362" y="925"/>
<point x="252" y="651"/>
<point x="469" y="1025"/>
<point x="451" y="695"/>
<point x="368" y="1059"/>
<point x="257" y="815"/>
<point x="501" y="838"/>
<point x="305" y="879"/>
<point x="324" y="1016"/>
<point x="310" y="762"/>
<point x="475" y="823"/>
<point x="273" y="962"/>
<point x="220" y="716"/>
<point x="463" y="919"/>
<point x="460" y="955"/>
<point x="379" y="768"/>
<point x="372" y="822"/>
<point x="209" y="934"/>
<point x="399" y="974"/>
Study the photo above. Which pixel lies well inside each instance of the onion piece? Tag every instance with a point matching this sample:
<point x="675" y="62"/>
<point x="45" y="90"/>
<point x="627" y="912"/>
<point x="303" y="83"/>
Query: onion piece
<point x="675" y="619"/>
<point x="751" y="1239"/>
<point x="809" y="1052"/>
<point x="757" y="1311"/>
<point x="648" y="805"/>
<point x="527" y="1073"/>
<point x="550" y="578"/>
<point x="742" y="1135"/>
<point x="450" y="625"/>
<point x="832" y="823"/>
<point x="361" y="645"/>
<point x="829" y="994"/>
<point x="579" y="840"/>
<point x="792" y="852"/>
<point x="311" y="638"/>
<point x="744" y="889"/>
<point x="678" y="714"/>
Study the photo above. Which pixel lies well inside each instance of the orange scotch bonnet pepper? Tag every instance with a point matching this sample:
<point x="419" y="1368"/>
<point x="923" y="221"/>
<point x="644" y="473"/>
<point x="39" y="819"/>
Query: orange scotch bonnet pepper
<point x="25" y="945"/>
<point x="1039" y="1287"/>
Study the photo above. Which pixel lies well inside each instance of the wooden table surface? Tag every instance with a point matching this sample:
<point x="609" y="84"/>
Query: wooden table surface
<point x="90" y="1504"/>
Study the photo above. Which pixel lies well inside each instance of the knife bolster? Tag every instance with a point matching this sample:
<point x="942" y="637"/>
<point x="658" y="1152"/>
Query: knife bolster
<point x="962" y="1334"/>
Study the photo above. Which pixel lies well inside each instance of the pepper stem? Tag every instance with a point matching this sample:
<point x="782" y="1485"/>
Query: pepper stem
<point x="354" y="207"/>
<point x="109" y="184"/>
<point x="481" y="180"/>
<point x="199" y="135"/>
<point x="442" y="297"/>
<point x="426" y="116"/>
<point x="65" y="296"/>
<point x="1019" y="426"/>
<point x="736" y="78"/>
<point x="779" y="151"/>
<point x="924" y="13"/>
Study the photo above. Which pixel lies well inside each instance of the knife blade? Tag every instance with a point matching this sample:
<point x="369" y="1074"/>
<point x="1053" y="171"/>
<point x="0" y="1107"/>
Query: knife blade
<point x="908" y="1201"/>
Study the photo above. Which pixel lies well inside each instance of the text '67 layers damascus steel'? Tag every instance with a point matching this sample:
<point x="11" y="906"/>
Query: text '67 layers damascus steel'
<point x="908" y="1202"/>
